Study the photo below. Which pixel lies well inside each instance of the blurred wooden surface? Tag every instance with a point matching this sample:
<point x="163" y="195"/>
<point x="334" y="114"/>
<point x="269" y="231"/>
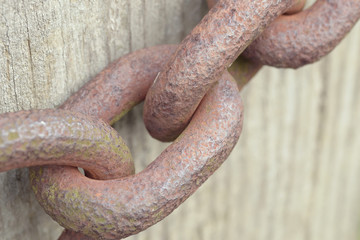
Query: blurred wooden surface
<point x="294" y="173"/>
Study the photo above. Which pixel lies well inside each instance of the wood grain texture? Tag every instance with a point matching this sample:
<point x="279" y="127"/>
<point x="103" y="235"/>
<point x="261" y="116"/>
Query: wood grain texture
<point x="294" y="173"/>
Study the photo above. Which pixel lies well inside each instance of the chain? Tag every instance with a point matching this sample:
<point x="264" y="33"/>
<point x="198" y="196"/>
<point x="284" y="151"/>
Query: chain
<point x="193" y="100"/>
<point x="223" y="34"/>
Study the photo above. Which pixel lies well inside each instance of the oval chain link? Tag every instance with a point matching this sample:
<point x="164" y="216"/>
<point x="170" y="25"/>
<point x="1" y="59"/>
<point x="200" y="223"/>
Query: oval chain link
<point x="222" y="35"/>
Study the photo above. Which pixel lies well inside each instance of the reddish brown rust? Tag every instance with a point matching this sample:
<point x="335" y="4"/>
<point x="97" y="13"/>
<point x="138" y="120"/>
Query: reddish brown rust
<point x="202" y="57"/>
<point x="70" y="235"/>
<point x="117" y="208"/>
<point x="113" y="209"/>
<point x="60" y="137"/>
<point x="125" y="83"/>
<point x="244" y="69"/>
<point x="296" y="40"/>
<point x="298" y="5"/>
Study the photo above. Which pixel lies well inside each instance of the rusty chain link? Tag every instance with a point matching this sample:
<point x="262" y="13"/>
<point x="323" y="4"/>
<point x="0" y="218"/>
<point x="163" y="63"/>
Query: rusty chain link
<point x="217" y="41"/>
<point x="121" y="207"/>
<point x="191" y="82"/>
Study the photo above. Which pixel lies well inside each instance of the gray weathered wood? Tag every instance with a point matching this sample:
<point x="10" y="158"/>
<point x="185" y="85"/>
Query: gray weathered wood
<point x="294" y="173"/>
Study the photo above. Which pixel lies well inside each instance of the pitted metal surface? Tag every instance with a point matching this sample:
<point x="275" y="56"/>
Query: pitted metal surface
<point x="60" y="137"/>
<point x="189" y="81"/>
<point x="303" y="38"/>
<point x="113" y="209"/>
<point x="202" y="57"/>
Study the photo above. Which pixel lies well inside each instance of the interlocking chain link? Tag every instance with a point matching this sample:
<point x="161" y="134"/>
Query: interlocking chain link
<point x="117" y="208"/>
<point x="202" y="57"/>
<point x="191" y="82"/>
<point x="223" y="34"/>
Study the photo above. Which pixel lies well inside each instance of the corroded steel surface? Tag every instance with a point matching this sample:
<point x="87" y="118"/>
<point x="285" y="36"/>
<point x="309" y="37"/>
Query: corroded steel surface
<point x="298" y="5"/>
<point x="113" y="204"/>
<point x="125" y="83"/>
<point x="60" y="137"/>
<point x="299" y="39"/>
<point x="202" y="57"/>
<point x="303" y="38"/>
<point x="70" y="235"/>
<point x="112" y="209"/>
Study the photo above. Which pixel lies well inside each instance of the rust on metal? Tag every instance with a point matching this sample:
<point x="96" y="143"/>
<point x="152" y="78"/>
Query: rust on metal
<point x="60" y="137"/>
<point x="228" y="28"/>
<point x="70" y="235"/>
<point x="110" y="202"/>
<point x="297" y="6"/>
<point x="113" y="209"/>
<point x="243" y="69"/>
<point x="125" y="82"/>
<point x="299" y="39"/>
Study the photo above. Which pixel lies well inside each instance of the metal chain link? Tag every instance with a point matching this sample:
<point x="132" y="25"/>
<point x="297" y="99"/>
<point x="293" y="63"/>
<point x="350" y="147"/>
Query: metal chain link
<point x="223" y="34"/>
<point x="191" y="82"/>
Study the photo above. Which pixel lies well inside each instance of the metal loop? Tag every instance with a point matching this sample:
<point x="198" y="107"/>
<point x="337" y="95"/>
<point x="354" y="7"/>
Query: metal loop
<point x="213" y="45"/>
<point x="114" y="209"/>
<point x="61" y="137"/>
<point x="303" y="38"/>
<point x="298" y="5"/>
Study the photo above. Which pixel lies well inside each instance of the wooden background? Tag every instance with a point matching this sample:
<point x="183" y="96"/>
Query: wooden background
<point x="294" y="173"/>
